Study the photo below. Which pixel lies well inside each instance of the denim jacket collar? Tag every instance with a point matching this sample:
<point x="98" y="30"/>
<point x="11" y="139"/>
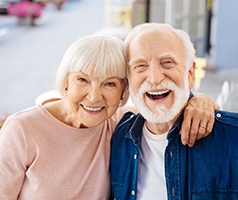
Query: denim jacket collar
<point x="135" y="130"/>
<point x="177" y="126"/>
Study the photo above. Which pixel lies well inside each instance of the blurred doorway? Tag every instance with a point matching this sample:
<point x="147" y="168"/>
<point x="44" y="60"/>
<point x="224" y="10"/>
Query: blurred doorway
<point x="191" y="16"/>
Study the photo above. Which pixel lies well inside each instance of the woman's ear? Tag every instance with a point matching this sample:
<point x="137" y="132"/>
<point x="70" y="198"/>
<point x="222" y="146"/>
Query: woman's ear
<point x="66" y="90"/>
<point x="124" y="95"/>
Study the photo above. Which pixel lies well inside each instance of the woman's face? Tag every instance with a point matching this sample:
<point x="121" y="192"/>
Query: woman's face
<point x="92" y="100"/>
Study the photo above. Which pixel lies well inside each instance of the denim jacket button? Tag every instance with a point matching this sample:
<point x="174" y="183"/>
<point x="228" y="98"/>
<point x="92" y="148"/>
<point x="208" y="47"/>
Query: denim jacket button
<point x="173" y="191"/>
<point x="171" y="154"/>
<point x="135" y="156"/>
<point x="133" y="192"/>
<point x="218" y="115"/>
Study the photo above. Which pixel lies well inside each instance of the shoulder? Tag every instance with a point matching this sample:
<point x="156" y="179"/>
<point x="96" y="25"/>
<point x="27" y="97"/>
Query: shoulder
<point x="24" y="114"/>
<point x="122" y="110"/>
<point x="15" y="126"/>
<point x="125" y="125"/>
<point x="127" y="119"/>
<point x="25" y="118"/>
<point x="227" y="118"/>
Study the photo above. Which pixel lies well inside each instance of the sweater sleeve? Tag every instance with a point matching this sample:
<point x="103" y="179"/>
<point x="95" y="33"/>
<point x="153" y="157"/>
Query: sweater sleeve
<point x="13" y="159"/>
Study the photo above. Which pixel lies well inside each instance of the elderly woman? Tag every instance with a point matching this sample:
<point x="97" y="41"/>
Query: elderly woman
<point x="60" y="149"/>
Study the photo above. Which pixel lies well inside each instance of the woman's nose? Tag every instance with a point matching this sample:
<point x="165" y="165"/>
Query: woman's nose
<point x="95" y="95"/>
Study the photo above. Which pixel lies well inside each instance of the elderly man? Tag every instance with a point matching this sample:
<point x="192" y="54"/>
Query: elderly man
<point x="148" y="160"/>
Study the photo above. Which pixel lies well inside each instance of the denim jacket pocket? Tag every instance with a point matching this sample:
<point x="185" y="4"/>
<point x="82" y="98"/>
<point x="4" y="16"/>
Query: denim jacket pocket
<point x="215" y="195"/>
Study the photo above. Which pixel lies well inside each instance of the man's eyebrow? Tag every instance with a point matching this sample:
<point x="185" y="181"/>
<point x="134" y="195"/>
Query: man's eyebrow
<point x="169" y="55"/>
<point x="136" y="60"/>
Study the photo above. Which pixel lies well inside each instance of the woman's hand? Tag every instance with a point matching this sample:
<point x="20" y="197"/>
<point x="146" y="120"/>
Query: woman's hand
<point x="198" y="118"/>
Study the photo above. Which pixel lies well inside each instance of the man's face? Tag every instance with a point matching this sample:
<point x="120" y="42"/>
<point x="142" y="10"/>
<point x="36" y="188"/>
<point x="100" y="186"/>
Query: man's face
<point x="159" y="81"/>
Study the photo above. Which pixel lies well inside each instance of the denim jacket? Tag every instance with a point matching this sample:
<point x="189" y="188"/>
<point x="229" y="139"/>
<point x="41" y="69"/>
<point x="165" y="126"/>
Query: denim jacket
<point x="208" y="171"/>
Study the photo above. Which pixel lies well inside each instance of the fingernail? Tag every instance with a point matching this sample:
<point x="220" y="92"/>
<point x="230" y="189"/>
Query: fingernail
<point x="184" y="143"/>
<point x="190" y="145"/>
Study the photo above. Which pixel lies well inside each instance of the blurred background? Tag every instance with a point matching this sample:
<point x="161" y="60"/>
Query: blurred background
<point x="35" y="34"/>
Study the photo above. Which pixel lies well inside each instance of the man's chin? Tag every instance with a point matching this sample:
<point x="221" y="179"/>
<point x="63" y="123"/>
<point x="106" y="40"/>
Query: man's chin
<point x="158" y="118"/>
<point x="161" y="114"/>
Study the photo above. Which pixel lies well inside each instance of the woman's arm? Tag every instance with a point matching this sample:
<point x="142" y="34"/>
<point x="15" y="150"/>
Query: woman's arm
<point x="12" y="160"/>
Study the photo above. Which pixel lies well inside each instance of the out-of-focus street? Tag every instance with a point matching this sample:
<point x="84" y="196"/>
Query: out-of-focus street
<point x="29" y="56"/>
<point x="225" y="95"/>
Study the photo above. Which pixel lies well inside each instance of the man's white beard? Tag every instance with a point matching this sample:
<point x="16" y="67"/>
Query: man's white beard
<point x="161" y="114"/>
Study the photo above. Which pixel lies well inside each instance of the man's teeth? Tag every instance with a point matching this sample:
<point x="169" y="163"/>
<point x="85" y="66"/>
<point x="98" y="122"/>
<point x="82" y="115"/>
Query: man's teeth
<point x="159" y="92"/>
<point x="92" y="109"/>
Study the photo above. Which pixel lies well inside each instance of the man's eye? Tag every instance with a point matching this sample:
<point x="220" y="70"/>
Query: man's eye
<point x="167" y="64"/>
<point x="140" y="67"/>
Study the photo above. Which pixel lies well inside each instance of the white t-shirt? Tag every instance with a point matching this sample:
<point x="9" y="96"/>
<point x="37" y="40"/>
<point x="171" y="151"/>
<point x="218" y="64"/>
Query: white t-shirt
<point x="151" y="180"/>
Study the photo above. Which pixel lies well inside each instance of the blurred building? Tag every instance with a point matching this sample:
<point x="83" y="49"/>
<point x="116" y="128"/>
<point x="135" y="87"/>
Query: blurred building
<point x="212" y="25"/>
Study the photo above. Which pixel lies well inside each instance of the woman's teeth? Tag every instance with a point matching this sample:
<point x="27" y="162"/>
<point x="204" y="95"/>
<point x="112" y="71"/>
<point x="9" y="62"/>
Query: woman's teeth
<point x="93" y="109"/>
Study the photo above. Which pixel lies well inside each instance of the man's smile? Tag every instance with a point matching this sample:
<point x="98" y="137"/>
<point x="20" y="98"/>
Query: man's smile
<point x="157" y="95"/>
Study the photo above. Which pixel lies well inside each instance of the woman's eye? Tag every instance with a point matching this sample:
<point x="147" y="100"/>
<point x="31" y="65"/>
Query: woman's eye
<point x="81" y="80"/>
<point x="110" y="84"/>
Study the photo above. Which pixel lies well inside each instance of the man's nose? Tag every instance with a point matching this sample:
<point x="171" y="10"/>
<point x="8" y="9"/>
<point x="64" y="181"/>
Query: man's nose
<point x="155" y="74"/>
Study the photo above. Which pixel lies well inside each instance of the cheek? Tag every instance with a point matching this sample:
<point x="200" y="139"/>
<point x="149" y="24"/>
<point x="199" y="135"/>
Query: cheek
<point x="114" y="97"/>
<point x="178" y="78"/>
<point x="135" y="81"/>
<point x="74" y="94"/>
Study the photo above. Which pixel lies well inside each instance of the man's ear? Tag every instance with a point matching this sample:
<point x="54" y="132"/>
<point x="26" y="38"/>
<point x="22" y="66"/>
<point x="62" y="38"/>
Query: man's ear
<point x="191" y="75"/>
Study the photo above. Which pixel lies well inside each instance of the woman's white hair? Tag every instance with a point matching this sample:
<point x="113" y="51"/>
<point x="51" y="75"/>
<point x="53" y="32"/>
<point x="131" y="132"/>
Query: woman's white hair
<point x="102" y="55"/>
<point x="189" y="51"/>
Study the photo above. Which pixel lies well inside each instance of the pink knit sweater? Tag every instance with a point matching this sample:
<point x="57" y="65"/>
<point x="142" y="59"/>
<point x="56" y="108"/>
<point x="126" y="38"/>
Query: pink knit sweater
<point x="42" y="158"/>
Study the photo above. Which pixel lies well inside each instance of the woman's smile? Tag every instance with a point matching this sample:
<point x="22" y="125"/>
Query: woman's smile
<point x="92" y="109"/>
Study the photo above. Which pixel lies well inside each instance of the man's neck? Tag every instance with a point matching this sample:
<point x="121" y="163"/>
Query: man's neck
<point x="160" y="128"/>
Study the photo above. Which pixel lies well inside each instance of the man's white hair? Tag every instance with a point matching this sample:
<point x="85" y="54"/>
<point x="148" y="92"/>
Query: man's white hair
<point x="189" y="50"/>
